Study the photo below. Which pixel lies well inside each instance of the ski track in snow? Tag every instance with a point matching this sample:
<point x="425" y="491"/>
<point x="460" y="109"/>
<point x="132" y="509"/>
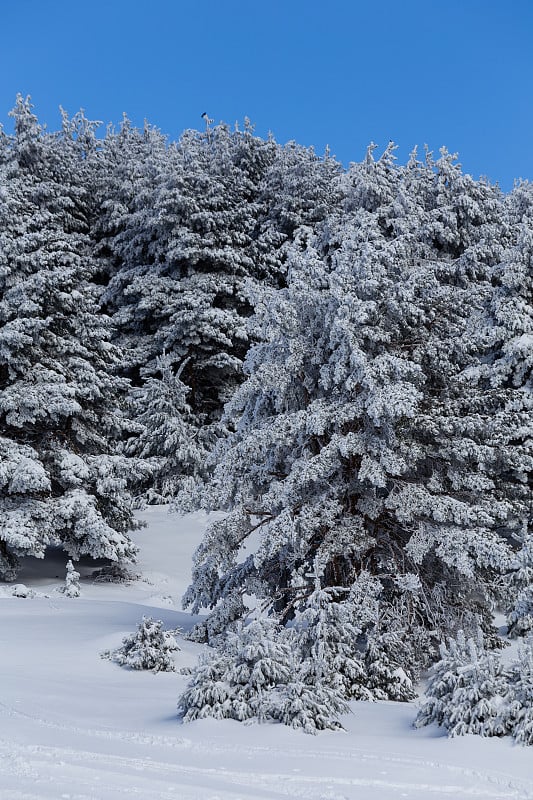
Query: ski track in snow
<point x="103" y="773"/>
<point x="39" y="764"/>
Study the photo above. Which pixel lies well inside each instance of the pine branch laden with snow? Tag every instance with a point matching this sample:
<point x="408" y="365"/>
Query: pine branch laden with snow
<point x="150" y="648"/>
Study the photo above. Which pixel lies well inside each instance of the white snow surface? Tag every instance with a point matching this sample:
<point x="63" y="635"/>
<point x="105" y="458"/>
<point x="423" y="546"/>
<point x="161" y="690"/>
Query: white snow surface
<point x="74" y="726"/>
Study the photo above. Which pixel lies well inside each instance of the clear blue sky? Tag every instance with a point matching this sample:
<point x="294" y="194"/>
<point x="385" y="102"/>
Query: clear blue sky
<point x="340" y="72"/>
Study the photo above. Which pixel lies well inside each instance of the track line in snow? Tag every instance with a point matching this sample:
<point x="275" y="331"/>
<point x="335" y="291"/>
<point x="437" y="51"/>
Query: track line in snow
<point x="506" y="786"/>
<point x="101" y="733"/>
<point x="58" y="763"/>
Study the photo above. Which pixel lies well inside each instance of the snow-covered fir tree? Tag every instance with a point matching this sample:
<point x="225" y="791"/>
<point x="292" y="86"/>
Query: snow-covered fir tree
<point x="360" y="436"/>
<point x="72" y="581"/>
<point x="59" y="403"/>
<point x="467" y="690"/>
<point x="150" y="647"/>
<point x="519" y="697"/>
<point x="257" y="673"/>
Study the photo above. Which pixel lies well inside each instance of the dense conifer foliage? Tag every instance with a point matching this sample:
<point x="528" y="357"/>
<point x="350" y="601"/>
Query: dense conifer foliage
<point x="379" y="430"/>
<point x="61" y="481"/>
<point x="190" y="230"/>
<point x="471" y="691"/>
<point x="339" y="359"/>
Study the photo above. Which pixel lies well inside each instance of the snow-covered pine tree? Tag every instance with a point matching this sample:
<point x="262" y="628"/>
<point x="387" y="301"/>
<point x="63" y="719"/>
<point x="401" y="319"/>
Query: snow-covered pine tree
<point x="313" y="707"/>
<point x="328" y="640"/>
<point x="127" y="171"/>
<point x="257" y="673"/>
<point x="165" y="434"/>
<point x="508" y="375"/>
<point x="72" y="581"/>
<point x="178" y="294"/>
<point x="299" y="189"/>
<point x="470" y="691"/>
<point x="150" y="647"/>
<point x="357" y="438"/>
<point x="499" y="385"/>
<point x="208" y="223"/>
<point x="387" y="661"/>
<point x="466" y="691"/>
<point x="60" y="482"/>
<point x="179" y="252"/>
<point x="240" y="678"/>
<point x="519" y="697"/>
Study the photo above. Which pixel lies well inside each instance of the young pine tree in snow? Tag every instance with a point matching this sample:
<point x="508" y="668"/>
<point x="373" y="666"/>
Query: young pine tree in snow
<point x="466" y="691"/>
<point x="257" y="673"/>
<point x="519" y="696"/>
<point x="165" y="436"/>
<point x="72" y="581"/>
<point x="150" y="647"/>
<point x="59" y="405"/>
<point x="329" y="626"/>
<point x="470" y="692"/>
<point x="313" y="707"/>
<point x="386" y="666"/>
<point x="240" y="678"/>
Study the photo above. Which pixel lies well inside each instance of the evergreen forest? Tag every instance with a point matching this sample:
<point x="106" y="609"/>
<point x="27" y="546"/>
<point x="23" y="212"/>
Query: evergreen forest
<point x="339" y="359"/>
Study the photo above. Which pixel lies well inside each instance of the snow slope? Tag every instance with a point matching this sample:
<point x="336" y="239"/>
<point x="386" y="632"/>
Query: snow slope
<point x="75" y="726"/>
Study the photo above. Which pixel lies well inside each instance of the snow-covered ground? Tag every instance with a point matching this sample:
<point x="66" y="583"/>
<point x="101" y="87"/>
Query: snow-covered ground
<point x="75" y="726"/>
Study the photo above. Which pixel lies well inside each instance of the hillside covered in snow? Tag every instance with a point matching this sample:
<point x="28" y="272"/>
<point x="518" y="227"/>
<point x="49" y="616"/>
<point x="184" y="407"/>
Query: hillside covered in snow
<point x="76" y="726"/>
<point x="330" y="369"/>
